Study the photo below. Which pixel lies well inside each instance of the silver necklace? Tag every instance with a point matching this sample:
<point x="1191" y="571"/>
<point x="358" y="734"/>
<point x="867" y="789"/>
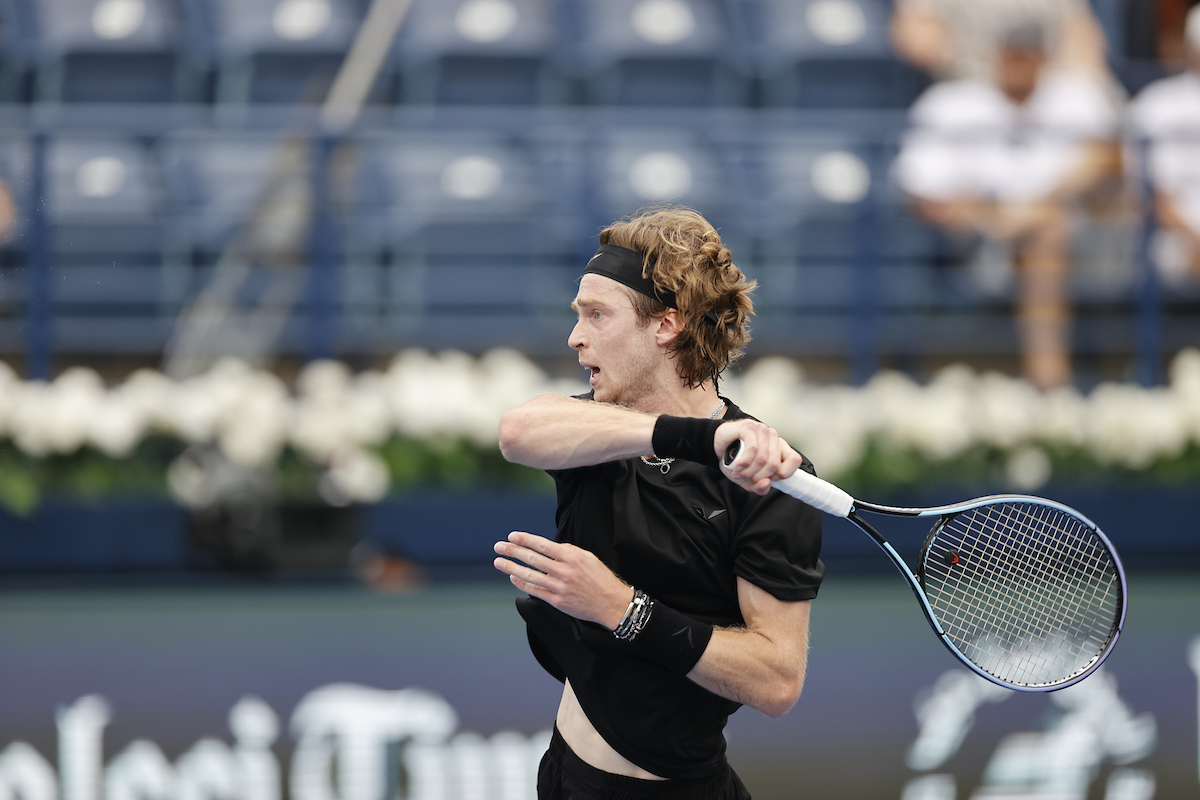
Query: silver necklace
<point x="664" y="464"/>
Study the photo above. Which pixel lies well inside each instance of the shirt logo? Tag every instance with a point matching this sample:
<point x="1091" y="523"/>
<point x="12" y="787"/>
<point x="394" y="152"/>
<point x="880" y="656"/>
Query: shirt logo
<point x="687" y="629"/>
<point x="711" y="515"/>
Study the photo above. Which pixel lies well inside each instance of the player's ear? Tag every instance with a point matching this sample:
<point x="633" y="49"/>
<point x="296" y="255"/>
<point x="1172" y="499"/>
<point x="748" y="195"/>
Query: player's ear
<point x="669" y="326"/>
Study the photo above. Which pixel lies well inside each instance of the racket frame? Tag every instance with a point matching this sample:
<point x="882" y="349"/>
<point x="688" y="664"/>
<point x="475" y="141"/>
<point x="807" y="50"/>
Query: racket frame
<point x="914" y="582"/>
<point x="832" y="500"/>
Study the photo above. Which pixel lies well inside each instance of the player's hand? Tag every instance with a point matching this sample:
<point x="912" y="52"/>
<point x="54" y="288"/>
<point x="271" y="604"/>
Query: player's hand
<point x="763" y="457"/>
<point x="571" y="579"/>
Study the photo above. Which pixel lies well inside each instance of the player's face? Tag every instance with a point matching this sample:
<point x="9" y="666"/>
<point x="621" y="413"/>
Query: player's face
<point x="621" y="354"/>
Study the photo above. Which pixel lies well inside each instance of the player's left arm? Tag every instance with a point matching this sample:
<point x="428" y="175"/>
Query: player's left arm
<point x="763" y="664"/>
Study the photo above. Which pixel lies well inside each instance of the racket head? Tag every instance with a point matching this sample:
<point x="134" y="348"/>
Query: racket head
<point x="1027" y="592"/>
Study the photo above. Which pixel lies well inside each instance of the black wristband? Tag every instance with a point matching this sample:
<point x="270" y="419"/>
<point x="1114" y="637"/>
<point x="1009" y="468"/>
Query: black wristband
<point x="688" y="438"/>
<point x="673" y="639"/>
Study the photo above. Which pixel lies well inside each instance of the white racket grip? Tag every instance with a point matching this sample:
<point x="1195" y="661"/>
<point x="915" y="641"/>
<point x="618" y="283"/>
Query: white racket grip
<point x="816" y="492"/>
<point x="802" y="486"/>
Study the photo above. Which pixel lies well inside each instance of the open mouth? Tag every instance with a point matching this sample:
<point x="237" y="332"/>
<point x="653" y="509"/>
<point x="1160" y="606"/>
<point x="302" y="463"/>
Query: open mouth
<point x="595" y="374"/>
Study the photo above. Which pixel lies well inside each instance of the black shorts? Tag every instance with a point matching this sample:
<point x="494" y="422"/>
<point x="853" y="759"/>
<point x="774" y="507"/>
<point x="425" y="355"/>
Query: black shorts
<point x="565" y="776"/>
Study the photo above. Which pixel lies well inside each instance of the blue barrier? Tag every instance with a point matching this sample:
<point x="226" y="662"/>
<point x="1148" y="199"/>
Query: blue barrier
<point x="452" y="534"/>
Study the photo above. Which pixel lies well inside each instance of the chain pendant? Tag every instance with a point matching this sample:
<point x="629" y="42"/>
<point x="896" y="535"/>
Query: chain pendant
<point x="663" y="464"/>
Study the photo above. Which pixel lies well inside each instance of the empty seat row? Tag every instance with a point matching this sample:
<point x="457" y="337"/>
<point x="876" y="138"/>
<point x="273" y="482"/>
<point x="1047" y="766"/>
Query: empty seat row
<point x="831" y="53"/>
<point x="434" y="225"/>
<point x="781" y="194"/>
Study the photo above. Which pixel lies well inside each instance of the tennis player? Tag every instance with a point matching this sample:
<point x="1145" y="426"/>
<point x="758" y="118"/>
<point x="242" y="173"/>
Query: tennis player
<point x="673" y="592"/>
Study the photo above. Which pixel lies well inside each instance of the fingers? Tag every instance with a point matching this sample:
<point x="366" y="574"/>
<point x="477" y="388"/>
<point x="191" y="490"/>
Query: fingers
<point x="529" y="561"/>
<point x="763" y="457"/>
<point x="571" y="579"/>
<point x="526" y="578"/>
<point x="536" y="551"/>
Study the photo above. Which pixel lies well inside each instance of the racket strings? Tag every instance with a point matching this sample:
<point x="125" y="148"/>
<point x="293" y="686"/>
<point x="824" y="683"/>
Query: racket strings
<point x="1029" y="607"/>
<point x="1027" y="592"/>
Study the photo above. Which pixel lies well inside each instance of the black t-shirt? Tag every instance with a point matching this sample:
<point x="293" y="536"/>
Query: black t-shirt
<point x="683" y="537"/>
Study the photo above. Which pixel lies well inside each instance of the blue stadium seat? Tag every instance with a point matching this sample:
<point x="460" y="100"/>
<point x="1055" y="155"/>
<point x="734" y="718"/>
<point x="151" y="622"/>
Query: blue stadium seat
<point x="636" y="166"/>
<point x="830" y="227"/>
<point x="218" y="182"/>
<point x="658" y="53"/>
<point x="102" y="50"/>
<point x="480" y="52"/>
<point x="103" y="218"/>
<point x="812" y="185"/>
<point x="280" y="51"/>
<point x="811" y="188"/>
<point x="445" y="220"/>
<point x="104" y="196"/>
<point x="829" y="54"/>
<point x="216" y="179"/>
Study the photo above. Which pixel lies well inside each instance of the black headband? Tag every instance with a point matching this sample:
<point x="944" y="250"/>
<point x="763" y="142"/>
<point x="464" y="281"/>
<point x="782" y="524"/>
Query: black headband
<point x="625" y="266"/>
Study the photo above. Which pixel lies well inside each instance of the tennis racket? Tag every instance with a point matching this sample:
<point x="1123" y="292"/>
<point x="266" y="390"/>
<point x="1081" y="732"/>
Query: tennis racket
<point x="1026" y="592"/>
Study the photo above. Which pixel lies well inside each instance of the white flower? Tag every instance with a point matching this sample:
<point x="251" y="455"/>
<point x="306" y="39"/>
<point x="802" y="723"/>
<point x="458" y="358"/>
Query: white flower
<point x="318" y="429"/>
<point x="1185" y="372"/>
<point x="368" y="414"/>
<point x="71" y="404"/>
<point x="254" y="427"/>
<point x="894" y="399"/>
<point x="1185" y="388"/>
<point x="324" y="380"/>
<point x="29" y="424"/>
<point x="941" y="415"/>
<point x="335" y="417"/>
<point x="116" y="427"/>
<point x="1062" y="419"/>
<point x="829" y="427"/>
<point x="150" y="394"/>
<point x="1007" y="410"/>
<point x="1132" y="427"/>
<point x="355" y="475"/>
<point x="10" y="385"/>
<point x="769" y="387"/>
<point x="505" y="379"/>
<point x="433" y="395"/>
<point x="1028" y="468"/>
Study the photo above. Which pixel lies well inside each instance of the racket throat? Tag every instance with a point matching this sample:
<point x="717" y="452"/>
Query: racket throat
<point x="904" y="570"/>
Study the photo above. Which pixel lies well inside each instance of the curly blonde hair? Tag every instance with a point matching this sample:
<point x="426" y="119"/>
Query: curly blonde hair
<point x="684" y="254"/>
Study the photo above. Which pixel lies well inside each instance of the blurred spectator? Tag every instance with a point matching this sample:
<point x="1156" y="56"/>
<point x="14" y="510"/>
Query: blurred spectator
<point x="958" y="39"/>
<point x="1167" y="114"/>
<point x="1015" y="159"/>
<point x="8" y="214"/>
<point x="1153" y="33"/>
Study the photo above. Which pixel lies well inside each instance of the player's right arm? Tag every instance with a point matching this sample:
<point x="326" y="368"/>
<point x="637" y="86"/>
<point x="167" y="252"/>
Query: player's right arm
<point x="556" y="432"/>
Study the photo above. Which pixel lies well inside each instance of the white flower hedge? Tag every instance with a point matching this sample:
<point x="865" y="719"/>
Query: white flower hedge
<point x="338" y="419"/>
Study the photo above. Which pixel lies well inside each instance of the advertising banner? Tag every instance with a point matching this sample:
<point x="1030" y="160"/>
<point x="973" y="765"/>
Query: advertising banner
<point x="339" y="693"/>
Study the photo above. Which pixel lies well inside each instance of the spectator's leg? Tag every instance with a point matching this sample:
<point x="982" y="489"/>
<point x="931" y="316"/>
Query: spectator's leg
<point x="1043" y="303"/>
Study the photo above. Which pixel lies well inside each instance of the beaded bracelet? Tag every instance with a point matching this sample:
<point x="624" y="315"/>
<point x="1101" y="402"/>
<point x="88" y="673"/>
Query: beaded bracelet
<point x="636" y="616"/>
